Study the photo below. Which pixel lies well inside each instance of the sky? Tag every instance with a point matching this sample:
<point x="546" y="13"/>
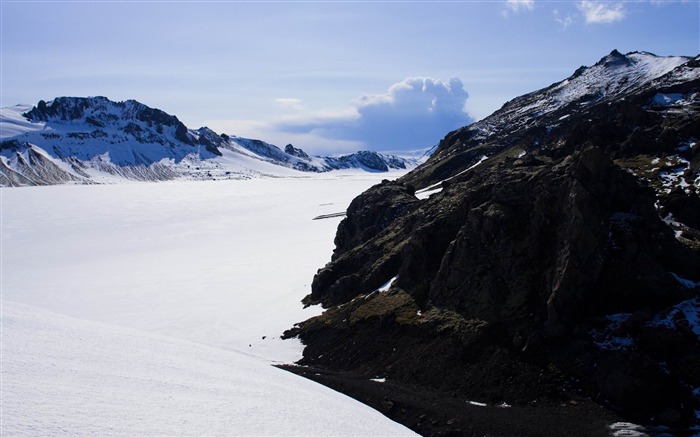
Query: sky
<point x="326" y="76"/>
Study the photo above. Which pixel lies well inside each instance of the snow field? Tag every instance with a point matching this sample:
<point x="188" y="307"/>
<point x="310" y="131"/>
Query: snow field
<point x="14" y="124"/>
<point x="64" y="376"/>
<point x="219" y="263"/>
<point x="156" y="308"/>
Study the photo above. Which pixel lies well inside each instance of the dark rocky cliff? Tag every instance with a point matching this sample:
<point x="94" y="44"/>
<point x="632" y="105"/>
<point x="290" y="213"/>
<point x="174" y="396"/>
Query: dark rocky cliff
<point x="552" y="254"/>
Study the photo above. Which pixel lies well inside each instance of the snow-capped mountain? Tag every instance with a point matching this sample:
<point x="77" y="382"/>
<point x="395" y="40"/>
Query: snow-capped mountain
<point x="93" y="140"/>
<point x="548" y="254"/>
<point x="610" y="78"/>
<point x="526" y="122"/>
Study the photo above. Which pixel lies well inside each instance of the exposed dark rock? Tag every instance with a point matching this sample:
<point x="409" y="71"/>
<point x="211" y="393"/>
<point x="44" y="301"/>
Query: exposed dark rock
<point x="371" y="160"/>
<point x="211" y="140"/>
<point x="295" y="152"/>
<point x="367" y="160"/>
<point x="10" y="145"/>
<point x="181" y="134"/>
<point x="540" y="269"/>
<point x="430" y="412"/>
<point x="370" y="214"/>
<point x="31" y="168"/>
<point x="93" y="122"/>
<point x="685" y="207"/>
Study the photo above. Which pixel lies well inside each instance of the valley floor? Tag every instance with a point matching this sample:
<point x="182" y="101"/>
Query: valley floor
<point x="156" y="308"/>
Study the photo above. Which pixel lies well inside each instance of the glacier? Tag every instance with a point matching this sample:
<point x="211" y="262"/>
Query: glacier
<point x="143" y="309"/>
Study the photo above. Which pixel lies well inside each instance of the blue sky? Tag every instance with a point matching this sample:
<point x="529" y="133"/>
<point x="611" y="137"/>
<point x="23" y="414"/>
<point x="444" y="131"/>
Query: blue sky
<point x="327" y="76"/>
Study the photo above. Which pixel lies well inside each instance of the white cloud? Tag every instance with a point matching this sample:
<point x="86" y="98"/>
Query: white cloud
<point x="290" y="102"/>
<point x="600" y="13"/>
<point x="414" y="113"/>
<point x="520" y="5"/>
<point x="564" y="22"/>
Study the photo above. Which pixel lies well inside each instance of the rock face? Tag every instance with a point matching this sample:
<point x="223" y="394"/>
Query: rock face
<point x="549" y="252"/>
<point x="291" y="150"/>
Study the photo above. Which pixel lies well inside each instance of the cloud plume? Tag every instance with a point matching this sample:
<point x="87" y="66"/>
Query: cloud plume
<point x="414" y="113"/>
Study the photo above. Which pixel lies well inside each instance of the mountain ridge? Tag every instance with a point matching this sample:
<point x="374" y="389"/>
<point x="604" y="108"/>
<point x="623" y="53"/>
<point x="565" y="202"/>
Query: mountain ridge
<point x="93" y="139"/>
<point x="547" y="254"/>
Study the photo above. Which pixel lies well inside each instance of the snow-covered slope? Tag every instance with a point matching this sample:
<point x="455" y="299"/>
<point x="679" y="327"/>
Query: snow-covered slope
<point x="88" y="140"/>
<point x="610" y="78"/>
<point x="187" y="288"/>
<point x="223" y="263"/>
<point x="526" y="122"/>
<point x="64" y="376"/>
<point x="14" y="124"/>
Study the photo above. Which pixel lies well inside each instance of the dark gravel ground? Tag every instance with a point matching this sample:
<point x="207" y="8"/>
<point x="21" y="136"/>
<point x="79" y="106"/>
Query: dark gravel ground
<point x="432" y="413"/>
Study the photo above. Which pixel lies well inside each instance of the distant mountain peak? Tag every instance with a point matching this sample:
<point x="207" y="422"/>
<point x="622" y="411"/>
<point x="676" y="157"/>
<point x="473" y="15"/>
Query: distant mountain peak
<point x="615" y="54"/>
<point x="99" y="111"/>
<point x="129" y="139"/>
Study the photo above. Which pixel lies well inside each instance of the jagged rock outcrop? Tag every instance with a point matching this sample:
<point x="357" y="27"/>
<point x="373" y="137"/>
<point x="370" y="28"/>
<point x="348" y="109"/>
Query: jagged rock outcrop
<point x="550" y="252"/>
<point x="291" y="150"/>
<point x="367" y="160"/>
